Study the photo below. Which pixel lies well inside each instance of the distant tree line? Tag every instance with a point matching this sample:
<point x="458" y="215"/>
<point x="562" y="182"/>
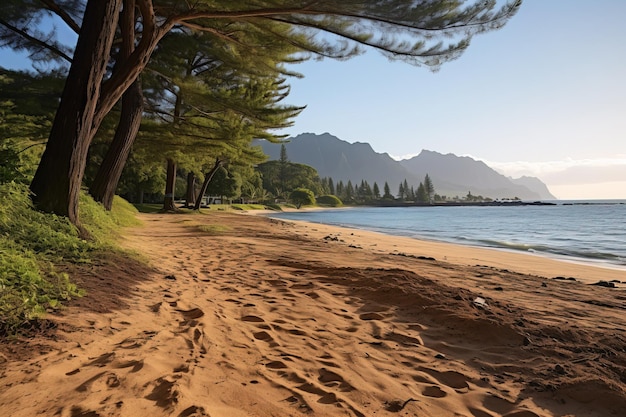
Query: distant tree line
<point x="279" y="181"/>
<point x="364" y="193"/>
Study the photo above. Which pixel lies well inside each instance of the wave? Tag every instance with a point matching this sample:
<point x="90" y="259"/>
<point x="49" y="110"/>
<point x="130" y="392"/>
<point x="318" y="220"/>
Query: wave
<point x="569" y="252"/>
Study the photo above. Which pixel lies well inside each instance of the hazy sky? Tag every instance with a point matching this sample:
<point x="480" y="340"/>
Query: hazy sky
<point x="544" y="96"/>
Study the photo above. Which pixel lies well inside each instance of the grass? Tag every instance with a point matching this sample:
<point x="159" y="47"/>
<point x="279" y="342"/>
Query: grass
<point x="31" y="243"/>
<point x="213" y="229"/>
<point x="249" y="206"/>
<point x="148" y="208"/>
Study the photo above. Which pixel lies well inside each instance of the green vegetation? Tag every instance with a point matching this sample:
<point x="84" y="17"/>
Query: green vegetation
<point x="329" y="200"/>
<point x="302" y="197"/>
<point x="273" y="206"/>
<point x="249" y="206"/>
<point x="366" y="194"/>
<point x="282" y="177"/>
<point x="31" y="243"/>
<point x="148" y="208"/>
<point x="213" y="229"/>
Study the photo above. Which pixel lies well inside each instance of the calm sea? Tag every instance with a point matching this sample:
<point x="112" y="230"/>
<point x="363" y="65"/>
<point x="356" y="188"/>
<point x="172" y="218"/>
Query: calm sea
<point x="592" y="232"/>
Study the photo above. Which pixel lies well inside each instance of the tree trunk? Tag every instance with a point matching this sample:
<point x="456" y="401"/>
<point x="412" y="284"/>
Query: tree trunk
<point x="191" y="190"/>
<point x="57" y="181"/>
<point x="105" y="183"/>
<point x="207" y="180"/>
<point x="170" y="186"/>
<point x="110" y="171"/>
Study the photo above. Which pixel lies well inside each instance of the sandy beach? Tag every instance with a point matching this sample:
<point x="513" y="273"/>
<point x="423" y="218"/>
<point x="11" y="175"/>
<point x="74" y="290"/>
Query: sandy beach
<point x="242" y="315"/>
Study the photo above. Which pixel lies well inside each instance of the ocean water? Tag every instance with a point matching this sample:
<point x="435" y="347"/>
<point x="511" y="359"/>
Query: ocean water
<point x="592" y="232"/>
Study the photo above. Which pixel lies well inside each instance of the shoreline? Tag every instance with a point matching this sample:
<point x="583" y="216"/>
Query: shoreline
<point x="538" y="264"/>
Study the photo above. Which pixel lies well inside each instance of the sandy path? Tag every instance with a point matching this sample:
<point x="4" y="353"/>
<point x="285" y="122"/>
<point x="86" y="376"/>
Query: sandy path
<point x="248" y="316"/>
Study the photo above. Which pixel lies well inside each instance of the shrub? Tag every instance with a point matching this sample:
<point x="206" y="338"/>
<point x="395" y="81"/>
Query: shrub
<point x="302" y="197"/>
<point x="102" y="224"/>
<point x="329" y="200"/>
<point x="273" y="206"/>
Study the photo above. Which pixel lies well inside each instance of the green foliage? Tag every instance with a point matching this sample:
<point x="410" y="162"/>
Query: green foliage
<point x="47" y="235"/>
<point x="213" y="229"/>
<point x="302" y="197"/>
<point x="429" y="188"/>
<point x="9" y="163"/>
<point x="142" y="177"/>
<point x="364" y="194"/>
<point x="422" y="195"/>
<point x="275" y="207"/>
<point x="27" y="104"/>
<point x="102" y="224"/>
<point x="280" y="178"/>
<point x="224" y="184"/>
<point x="206" y="102"/>
<point x="329" y="200"/>
<point x="387" y="192"/>
<point x="248" y="206"/>
<point x="148" y="208"/>
<point x="31" y="242"/>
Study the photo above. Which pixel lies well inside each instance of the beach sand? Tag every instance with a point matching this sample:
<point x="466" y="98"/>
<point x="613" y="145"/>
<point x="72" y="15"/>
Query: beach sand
<point x="241" y="315"/>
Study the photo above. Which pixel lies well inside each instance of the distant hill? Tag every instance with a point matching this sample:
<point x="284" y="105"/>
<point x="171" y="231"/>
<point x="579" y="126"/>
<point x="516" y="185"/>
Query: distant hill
<point x="458" y="175"/>
<point x="535" y="184"/>
<point x="451" y="175"/>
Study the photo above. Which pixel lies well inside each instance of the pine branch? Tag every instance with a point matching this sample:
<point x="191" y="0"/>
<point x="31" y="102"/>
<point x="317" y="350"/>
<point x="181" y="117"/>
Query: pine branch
<point x="35" y="41"/>
<point x="54" y="8"/>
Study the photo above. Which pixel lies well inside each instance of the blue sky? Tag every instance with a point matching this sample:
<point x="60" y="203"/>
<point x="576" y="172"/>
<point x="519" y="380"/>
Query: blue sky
<point x="543" y="96"/>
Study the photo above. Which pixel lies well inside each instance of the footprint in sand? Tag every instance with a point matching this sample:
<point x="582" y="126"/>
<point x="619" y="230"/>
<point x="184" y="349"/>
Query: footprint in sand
<point x="332" y="379"/>
<point x="136" y="342"/>
<point x="193" y="411"/>
<point x="111" y="381"/>
<point x="306" y="286"/>
<point x="433" y="391"/>
<point x="297" y="332"/>
<point x="452" y="379"/>
<point x="81" y="412"/>
<point x="505" y="408"/>
<point x="102" y="360"/>
<point x="252" y="319"/>
<point x="264" y="336"/>
<point x="403" y="339"/>
<point x="371" y="316"/>
<point x="479" y="413"/>
<point x="164" y="393"/>
<point x="522" y="413"/>
<point x="276" y="365"/>
<point x="192" y="314"/>
<point x="84" y="387"/>
<point x="135" y="365"/>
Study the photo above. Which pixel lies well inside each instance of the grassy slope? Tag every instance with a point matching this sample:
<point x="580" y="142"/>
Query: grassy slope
<point x="32" y="243"/>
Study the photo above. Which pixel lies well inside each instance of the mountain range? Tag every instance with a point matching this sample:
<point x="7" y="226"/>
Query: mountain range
<point x="451" y="175"/>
